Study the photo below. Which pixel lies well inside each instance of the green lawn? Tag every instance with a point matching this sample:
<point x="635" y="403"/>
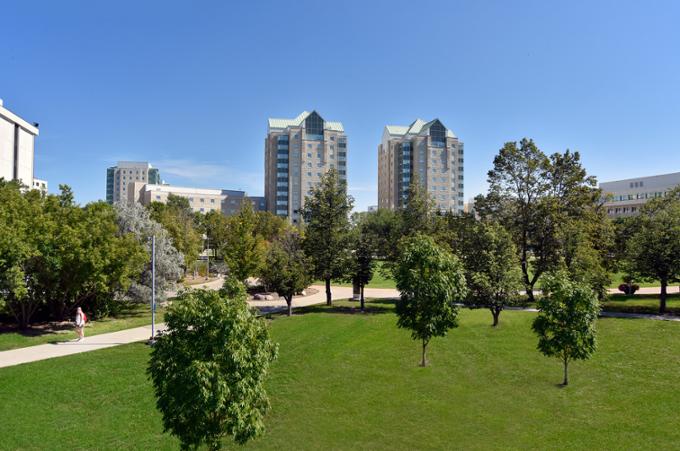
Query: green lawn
<point x="351" y="381"/>
<point x="641" y="303"/>
<point x="133" y="316"/>
<point x="378" y="280"/>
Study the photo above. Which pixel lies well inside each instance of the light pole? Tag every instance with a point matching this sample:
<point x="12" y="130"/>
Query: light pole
<point x="152" y="340"/>
<point x="207" y="254"/>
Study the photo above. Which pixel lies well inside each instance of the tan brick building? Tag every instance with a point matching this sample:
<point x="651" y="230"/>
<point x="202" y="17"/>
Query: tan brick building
<point x="297" y="153"/>
<point x="427" y="150"/>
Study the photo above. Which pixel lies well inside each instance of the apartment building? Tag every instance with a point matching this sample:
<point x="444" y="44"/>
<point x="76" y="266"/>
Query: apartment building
<point x="17" y="147"/>
<point x="297" y="153"/>
<point x="201" y="200"/>
<point x="625" y="197"/>
<point x="427" y="151"/>
<point x="120" y="178"/>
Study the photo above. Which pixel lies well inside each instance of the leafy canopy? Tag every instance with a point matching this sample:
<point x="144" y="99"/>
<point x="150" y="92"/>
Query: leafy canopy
<point x="208" y="370"/>
<point x="431" y="281"/>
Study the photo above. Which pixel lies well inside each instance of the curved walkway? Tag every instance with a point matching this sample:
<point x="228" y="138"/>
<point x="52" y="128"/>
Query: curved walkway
<point x="102" y="341"/>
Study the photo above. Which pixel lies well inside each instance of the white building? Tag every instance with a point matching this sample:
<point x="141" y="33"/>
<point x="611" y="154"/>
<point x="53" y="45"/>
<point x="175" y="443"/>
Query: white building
<point x="40" y="185"/>
<point x="625" y="197"/>
<point x="17" y="147"/>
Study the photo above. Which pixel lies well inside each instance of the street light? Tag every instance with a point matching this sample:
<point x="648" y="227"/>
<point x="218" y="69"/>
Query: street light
<point x="152" y="340"/>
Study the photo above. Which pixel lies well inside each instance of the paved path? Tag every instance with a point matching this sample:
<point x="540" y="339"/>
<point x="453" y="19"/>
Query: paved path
<point x="648" y="290"/>
<point x="102" y="341"/>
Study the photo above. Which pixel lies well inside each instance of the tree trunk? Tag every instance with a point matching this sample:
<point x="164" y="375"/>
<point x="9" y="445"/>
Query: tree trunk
<point x="423" y="363"/>
<point x="362" y="297"/>
<point x="566" y="371"/>
<point x="496" y="312"/>
<point x="289" y="301"/>
<point x="662" y="297"/>
<point x="329" y="301"/>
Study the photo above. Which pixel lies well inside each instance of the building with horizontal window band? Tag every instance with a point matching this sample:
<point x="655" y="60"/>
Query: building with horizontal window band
<point x="625" y="197"/>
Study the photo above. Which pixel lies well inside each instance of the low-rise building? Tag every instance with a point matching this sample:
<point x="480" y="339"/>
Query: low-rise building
<point x="201" y="200"/>
<point x="40" y="185"/>
<point x="625" y="197"/>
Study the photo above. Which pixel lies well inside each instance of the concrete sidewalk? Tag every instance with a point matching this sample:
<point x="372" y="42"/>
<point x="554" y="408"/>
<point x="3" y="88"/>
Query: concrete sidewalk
<point x="102" y="341"/>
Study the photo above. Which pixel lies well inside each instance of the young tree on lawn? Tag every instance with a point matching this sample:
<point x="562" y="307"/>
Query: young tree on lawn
<point x="431" y="281"/>
<point x="654" y="248"/>
<point x="565" y="324"/>
<point x="326" y="215"/>
<point x="361" y="263"/>
<point x="208" y="370"/>
<point x="287" y="268"/>
<point x="243" y="249"/>
<point x="491" y="270"/>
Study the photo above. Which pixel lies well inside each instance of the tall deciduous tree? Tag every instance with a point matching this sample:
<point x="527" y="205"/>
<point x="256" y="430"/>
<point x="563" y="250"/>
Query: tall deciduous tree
<point x="208" y="370"/>
<point x="243" y="249"/>
<point x="565" y="324"/>
<point x="326" y="215"/>
<point x="539" y="200"/>
<point x="287" y="269"/>
<point x="491" y="268"/>
<point x="654" y="247"/>
<point x="431" y="281"/>
<point x="178" y="219"/>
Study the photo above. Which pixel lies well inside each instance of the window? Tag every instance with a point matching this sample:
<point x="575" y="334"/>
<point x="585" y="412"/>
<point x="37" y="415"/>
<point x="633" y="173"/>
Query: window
<point x="314" y="126"/>
<point x="309" y="154"/>
<point x="212" y="201"/>
<point x="202" y="200"/>
<point x="438" y="134"/>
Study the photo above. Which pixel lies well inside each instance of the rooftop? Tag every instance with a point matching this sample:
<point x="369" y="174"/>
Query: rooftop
<point x="417" y="128"/>
<point x="277" y="123"/>
<point x="8" y="115"/>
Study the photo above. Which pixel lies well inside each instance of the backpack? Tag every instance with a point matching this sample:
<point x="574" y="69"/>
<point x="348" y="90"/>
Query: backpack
<point x="84" y="318"/>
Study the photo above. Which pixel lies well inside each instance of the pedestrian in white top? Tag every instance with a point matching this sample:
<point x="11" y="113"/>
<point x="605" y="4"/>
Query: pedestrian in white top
<point x="81" y="319"/>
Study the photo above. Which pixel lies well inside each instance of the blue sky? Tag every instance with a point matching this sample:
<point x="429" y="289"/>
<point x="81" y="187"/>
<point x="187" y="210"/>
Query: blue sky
<point x="188" y="86"/>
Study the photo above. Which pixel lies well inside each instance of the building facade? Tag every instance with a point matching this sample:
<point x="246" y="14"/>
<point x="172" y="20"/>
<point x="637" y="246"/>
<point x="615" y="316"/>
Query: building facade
<point x="120" y="178"/>
<point x="297" y="153"/>
<point x="17" y="147"/>
<point x="428" y="152"/>
<point x="201" y="200"/>
<point x="625" y="197"/>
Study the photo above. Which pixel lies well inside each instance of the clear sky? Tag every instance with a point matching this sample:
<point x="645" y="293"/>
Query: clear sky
<point x="189" y="85"/>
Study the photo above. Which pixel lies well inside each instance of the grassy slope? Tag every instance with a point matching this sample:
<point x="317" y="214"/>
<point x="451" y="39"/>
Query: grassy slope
<point x="137" y="315"/>
<point x="352" y="381"/>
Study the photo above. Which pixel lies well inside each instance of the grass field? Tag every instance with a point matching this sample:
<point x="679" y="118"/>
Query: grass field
<point x="641" y="303"/>
<point x="351" y="381"/>
<point x="133" y="316"/>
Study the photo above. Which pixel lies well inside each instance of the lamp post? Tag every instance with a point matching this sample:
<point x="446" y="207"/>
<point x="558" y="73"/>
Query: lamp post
<point x="207" y="255"/>
<point x="152" y="340"/>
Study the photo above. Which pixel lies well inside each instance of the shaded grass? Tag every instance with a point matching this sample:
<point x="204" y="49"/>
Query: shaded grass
<point x="641" y="303"/>
<point x="352" y="382"/>
<point x="379" y="280"/>
<point x="132" y="315"/>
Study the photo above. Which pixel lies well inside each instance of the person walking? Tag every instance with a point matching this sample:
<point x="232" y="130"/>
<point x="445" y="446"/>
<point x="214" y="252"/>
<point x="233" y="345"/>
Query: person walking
<point x="81" y="319"/>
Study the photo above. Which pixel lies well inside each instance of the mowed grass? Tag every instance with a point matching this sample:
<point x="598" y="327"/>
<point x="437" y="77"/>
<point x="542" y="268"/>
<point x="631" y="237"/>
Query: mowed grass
<point x="351" y="381"/>
<point x="641" y="303"/>
<point x="134" y="315"/>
